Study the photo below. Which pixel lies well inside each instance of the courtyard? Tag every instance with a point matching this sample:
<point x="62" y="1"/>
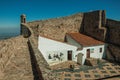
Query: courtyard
<point x="106" y="70"/>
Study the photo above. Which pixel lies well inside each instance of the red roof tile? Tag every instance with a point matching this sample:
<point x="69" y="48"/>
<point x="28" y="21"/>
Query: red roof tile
<point x="84" y="40"/>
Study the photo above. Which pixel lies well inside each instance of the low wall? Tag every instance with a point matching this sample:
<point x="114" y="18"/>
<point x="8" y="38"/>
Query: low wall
<point x="36" y="71"/>
<point x="40" y="65"/>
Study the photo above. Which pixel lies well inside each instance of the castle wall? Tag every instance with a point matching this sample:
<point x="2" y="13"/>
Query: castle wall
<point x="58" y="27"/>
<point x="113" y="28"/>
<point x="113" y="53"/>
<point x="113" y="38"/>
<point x="92" y="24"/>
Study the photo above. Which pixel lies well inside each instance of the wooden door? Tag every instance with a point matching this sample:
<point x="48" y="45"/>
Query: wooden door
<point x="69" y="55"/>
<point x="88" y="53"/>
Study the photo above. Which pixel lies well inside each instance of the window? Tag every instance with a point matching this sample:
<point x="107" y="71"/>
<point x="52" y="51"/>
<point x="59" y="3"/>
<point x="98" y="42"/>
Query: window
<point x="100" y="50"/>
<point x="69" y="55"/>
<point x="24" y="20"/>
<point x="88" y="53"/>
<point x="49" y="57"/>
<point x="92" y="50"/>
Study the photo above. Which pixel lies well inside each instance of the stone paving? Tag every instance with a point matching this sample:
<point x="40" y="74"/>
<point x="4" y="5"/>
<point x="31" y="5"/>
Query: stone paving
<point x="15" y="63"/>
<point x="63" y="65"/>
<point x="107" y="70"/>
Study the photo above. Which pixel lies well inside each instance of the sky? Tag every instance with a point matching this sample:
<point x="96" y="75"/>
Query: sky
<point x="10" y="10"/>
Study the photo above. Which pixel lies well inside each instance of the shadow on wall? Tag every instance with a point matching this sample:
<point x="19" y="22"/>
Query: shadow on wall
<point x="93" y="24"/>
<point x="35" y="68"/>
<point x="82" y="26"/>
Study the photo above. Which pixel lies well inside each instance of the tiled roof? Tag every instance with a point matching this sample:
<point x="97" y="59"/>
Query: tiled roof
<point x="84" y="40"/>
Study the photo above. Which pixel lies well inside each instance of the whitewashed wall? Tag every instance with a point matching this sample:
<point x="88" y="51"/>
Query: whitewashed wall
<point x="95" y="54"/>
<point x="72" y="41"/>
<point x="48" y="46"/>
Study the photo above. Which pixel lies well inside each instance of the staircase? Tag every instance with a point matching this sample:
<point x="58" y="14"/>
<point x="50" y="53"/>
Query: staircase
<point x="92" y="61"/>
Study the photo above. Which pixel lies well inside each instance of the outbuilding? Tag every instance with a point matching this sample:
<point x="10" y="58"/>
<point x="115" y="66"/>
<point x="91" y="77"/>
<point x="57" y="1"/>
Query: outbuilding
<point x="55" y="51"/>
<point x="77" y="48"/>
<point x="88" y="47"/>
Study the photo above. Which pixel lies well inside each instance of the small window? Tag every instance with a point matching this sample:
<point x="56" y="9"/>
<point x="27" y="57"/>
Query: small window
<point x="92" y="50"/>
<point x="24" y="20"/>
<point x="49" y="57"/>
<point x="100" y="50"/>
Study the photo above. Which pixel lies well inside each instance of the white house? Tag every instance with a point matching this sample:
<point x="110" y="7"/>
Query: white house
<point x="55" y="51"/>
<point x="77" y="48"/>
<point x="91" y="48"/>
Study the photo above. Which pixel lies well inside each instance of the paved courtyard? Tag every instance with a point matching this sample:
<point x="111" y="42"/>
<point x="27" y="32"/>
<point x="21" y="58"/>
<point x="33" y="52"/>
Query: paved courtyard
<point x="105" y="71"/>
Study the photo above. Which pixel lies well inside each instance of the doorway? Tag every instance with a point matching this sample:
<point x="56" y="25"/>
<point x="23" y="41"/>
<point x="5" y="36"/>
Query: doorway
<point x="88" y="53"/>
<point x="79" y="58"/>
<point x="69" y="55"/>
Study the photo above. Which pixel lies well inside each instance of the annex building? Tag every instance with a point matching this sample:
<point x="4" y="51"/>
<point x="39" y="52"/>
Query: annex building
<point x="77" y="47"/>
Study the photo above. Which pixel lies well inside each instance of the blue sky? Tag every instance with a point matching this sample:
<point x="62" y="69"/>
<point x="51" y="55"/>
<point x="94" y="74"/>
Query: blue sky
<point x="10" y="10"/>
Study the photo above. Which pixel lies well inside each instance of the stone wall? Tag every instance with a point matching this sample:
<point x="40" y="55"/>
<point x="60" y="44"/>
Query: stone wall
<point x="93" y="23"/>
<point x="58" y="27"/>
<point x="113" y="53"/>
<point x="113" y="38"/>
<point x="113" y="30"/>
